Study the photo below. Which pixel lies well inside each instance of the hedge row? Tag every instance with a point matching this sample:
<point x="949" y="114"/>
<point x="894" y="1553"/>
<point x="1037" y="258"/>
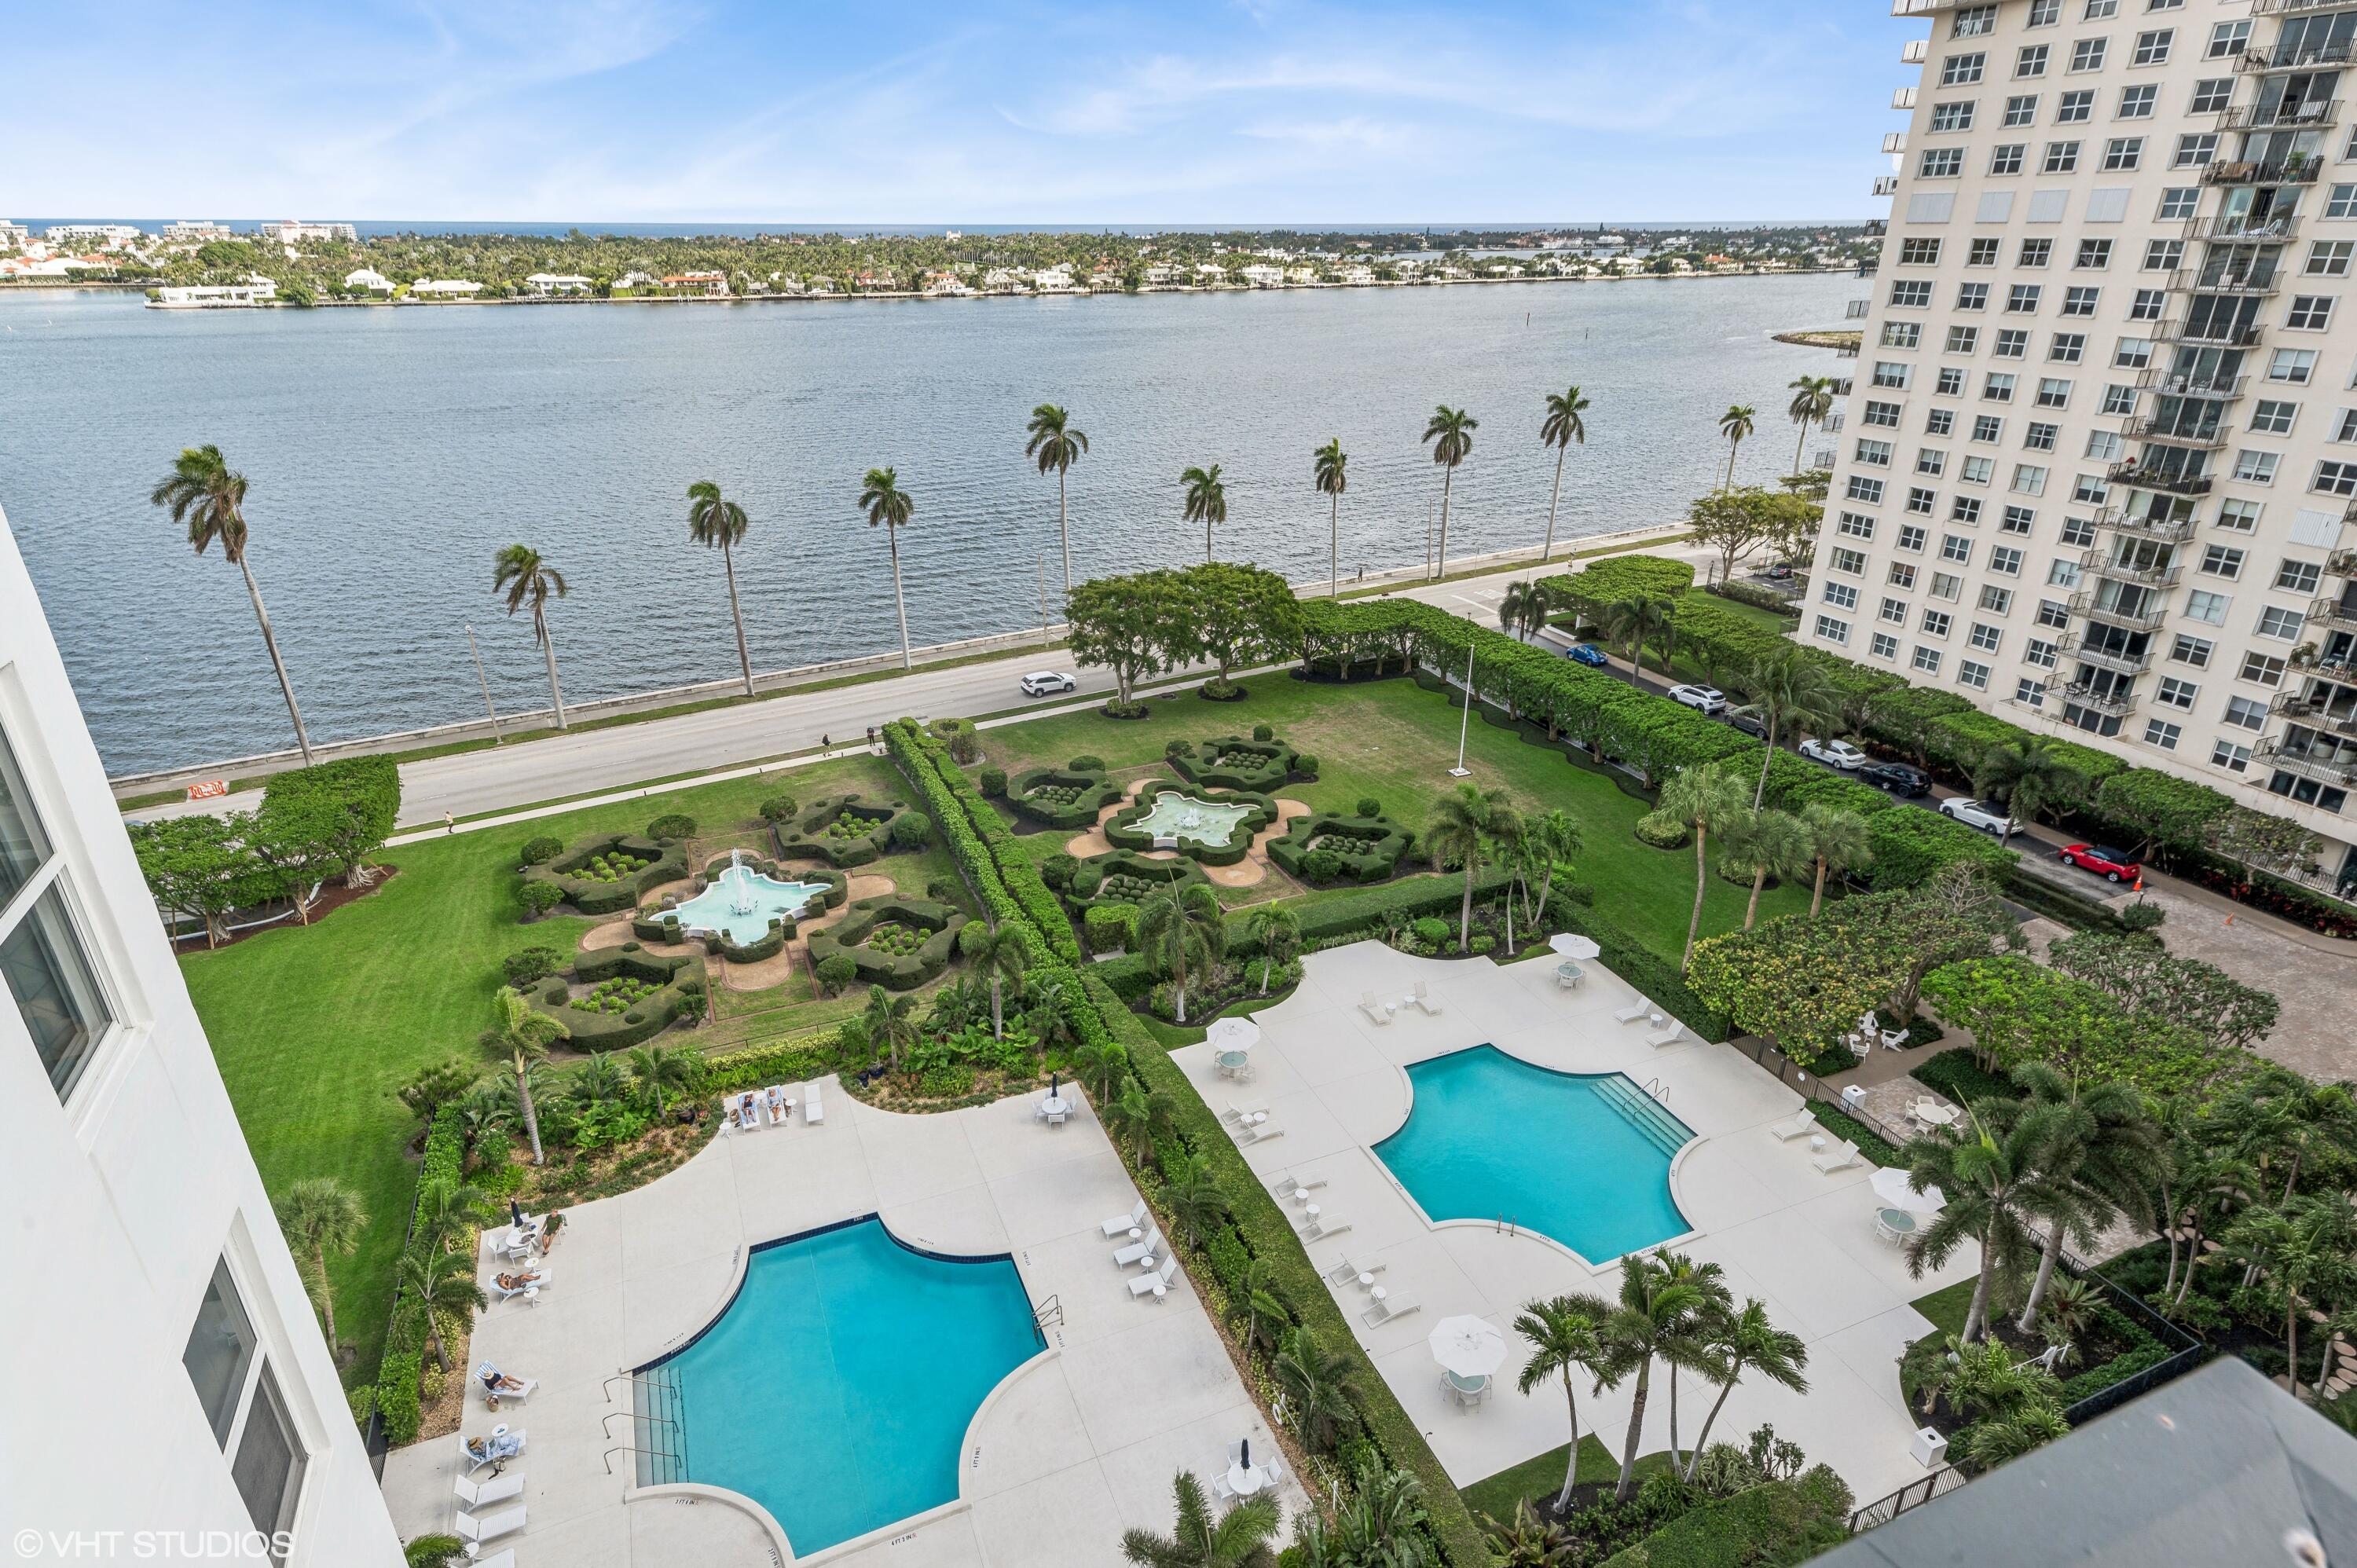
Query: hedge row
<point x="807" y="836"/>
<point x="979" y="838"/>
<point x="1379" y="845"/>
<point x="1770" y="1525"/>
<point x="1091" y="792"/>
<point x="795" y="1059"/>
<point x="1234" y="762"/>
<point x="680" y="982"/>
<point x="403" y="1369"/>
<point x="893" y="972"/>
<point x="1090" y="877"/>
<point x="1121" y="829"/>
<point x="595" y="896"/>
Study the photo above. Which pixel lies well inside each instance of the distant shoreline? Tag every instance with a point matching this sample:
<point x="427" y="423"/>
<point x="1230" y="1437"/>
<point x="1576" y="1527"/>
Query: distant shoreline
<point x="1822" y="338"/>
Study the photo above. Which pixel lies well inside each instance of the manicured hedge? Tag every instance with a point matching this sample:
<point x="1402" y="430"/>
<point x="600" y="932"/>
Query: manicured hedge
<point x="1378" y="845"/>
<point x="679" y="979"/>
<point x="1121" y="831"/>
<point x="1771" y="1525"/>
<point x="1239" y="762"/>
<point x="993" y="867"/>
<point x="1090" y="876"/>
<point x="806" y="836"/>
<point x="795" y="1059"/>
<point x="403" y="1369"/>
<point x="1621" y="577"/>
<point x="894" y="971"/>
<point x="1090" y="791"/>
<point x="595" y="896"/>
<point x="1953" y="1073"/>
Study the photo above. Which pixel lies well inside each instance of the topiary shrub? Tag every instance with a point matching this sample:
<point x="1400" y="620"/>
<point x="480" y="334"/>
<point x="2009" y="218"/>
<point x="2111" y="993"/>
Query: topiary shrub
<point x="1321" y="865"/>
<point x="777" y="808"/>
<point x="1110" y="927"/>
<point x="1324" y="848"/>
<point x="672" y="825"/>
<point x="538" y="898"/>
<point x="911" y="832"/>
<point x="546" y="847"/>
<point x="1662" y="830"/>
<point x="993" y="780"/>
<point x="1056" y="870"/>
<point x="1084" y="763"/>
<point x="1178" y="749"/>
<point x="893" y="941"/>
<point x="1367" y="806"/>
<point x="1060" y="799"/>
<point x="1264" y="731"/>
<point x="836" y="972"/>
<point x="841" y="830"/>
<point x="1304" y="766"/>
<point x="943" y="889"/>
<point x="958" y="734"/>
<point x="1431" y="930"/>
<point x="532" y="963"/>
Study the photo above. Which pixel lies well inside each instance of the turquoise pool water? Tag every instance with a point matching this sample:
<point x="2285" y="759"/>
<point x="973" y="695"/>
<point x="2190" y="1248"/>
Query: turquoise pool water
<point x="837" y="1387"/>
<point x="710" y="910"/>
<point x="1174" y="815"/>
<point x="1584" y="1160"/>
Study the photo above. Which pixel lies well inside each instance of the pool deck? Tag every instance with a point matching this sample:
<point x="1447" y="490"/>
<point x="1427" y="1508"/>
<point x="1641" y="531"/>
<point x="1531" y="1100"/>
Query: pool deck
<point x="1801" y="1241"/>
<point x="1074" y="1447"/>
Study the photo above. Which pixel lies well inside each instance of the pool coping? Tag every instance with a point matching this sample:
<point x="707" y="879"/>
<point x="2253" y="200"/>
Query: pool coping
<point x="1693" y="1141"/>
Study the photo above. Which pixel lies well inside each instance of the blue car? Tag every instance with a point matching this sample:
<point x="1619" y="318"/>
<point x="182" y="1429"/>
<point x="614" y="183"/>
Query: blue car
<point x="1587" y="653"/>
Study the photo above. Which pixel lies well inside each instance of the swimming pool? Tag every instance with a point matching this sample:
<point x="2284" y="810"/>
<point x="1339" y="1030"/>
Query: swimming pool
<point x="1173" y="817"/>
<point x="1583" y="1159"/>
<point x="764" y="898"/>
<point x="835" y="1389"/>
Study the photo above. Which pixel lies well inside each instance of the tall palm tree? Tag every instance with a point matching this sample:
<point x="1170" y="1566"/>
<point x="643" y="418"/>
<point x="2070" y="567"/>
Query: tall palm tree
<point x="518" y="1039"/>
<point x="1566" y="1337"/>
<point x="1000" y="957"/>
<point x="1317" y="1384"/>
<point x="1989" y="1170"/>
<point x="1553" y="838"/>
<point x="1735" y="425"/>
<point x="1747" y="1341"/>
<point x="1506" y="844"/>
<point x="528" y="579"/>
<point x="1787" y="687"/>
<point x="447" y="1213"/>
<point x="886" y="503"/>
<point x="1812" y="399"/>
<point x="321" y="1215"/>
<point x="1056" y="444"/>
<point x="891" y="1022"/>
<point x="658" y="1072"/>
<point x="1522" y="608"/>
<point x="1689" y="1349"/>
<point x="1276" y="929"/>
<point x="2302" y="1249"/>
<point x="439" y="1285"/>
<point x="1140" y="1113"/>
<point x="1766" y="843"/>
<point x="2103" y="1161"/>
<point x="1206" y="501"/>
<point x="1458" y="831"/>
<point x="1634" y="622"/>
<point x="1329" y="465"/>
<point x="1706" y="799"/>
<point x="2029" y="775"/>
<point x="202" y="493"/>
<point x="1647" y="1319"/>
<point x="1237" y="1539"/>
<point x="1562" y="426"/>
<point x="1197" y="1201"/>
<point x="1838" y="843"/>
<point x="1181" y="930"/>
<point x="1451" y="430"/>
<point x="714" y="521"/>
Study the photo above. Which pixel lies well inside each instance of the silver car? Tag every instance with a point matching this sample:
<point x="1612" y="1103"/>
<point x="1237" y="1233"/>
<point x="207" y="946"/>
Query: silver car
<point x="1990" y="819"/>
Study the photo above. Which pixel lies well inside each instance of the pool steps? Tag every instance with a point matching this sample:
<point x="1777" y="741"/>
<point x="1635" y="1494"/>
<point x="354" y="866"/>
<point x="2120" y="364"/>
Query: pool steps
<point x="1641" y="1111"/>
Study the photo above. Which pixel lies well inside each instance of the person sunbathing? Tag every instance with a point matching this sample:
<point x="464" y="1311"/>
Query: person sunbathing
<point x="492" y="1450"/>
<point x="745" y="1110"/>
<point x="496" y="1380"/>
<point x="777" y="1104"/>
<point x="518" y="1282"/>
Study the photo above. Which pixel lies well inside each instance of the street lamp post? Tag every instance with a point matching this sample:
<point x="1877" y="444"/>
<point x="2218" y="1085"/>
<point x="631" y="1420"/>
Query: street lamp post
<point x="484" y="681"/>
<point x="1466" y="724"/>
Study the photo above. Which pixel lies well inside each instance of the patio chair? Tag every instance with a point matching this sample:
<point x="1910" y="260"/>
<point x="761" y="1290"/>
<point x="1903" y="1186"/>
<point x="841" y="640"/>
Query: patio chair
<point x="743" y="1110"/>
<point x="1322" y="1227"/>
<point x="1669" y="1033"/>
<point x="814" y="1113"/>
<point x="1157" y="1283"/>
<point x="521" y="1392"/>
<point x="1221" y="1490"/>
<point x="1273" y="1468"/>
<point x="490" y="1527"/>
<point x="535" y="1281"/>
<point x="779" y="1108"/>
<point x="1235" y="1115"/>
<point x="1634" y="1011"/>
<point x="1391" y="1307"/>
<point x="495" y="1450"/>
<point x="1347" y="1270"/>
<point x="1377" y="1011"/>
<point x="1122" y="1224"/>
<point x="1139" y="1252"/>
<point x="496" y="1489"/>
<point x="1840" y="1157"/>
<point x="1894" y="1040"/>
<point x="1258" y="1133"/>
<point x="1798" y="1125"/>
<point x="1422" y="997"/>
<point x="1288" y="1184"/>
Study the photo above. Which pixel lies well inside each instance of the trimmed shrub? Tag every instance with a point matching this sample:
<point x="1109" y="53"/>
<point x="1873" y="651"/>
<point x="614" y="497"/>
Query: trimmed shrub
<point x="778" y="808"/>
<point x="958" y="737"/>
<point x="546" y="847"/>
<point x="651" y="992"/>
<point x="672" y="825"/>
<point x="530" y="964"/>
<point x="1367" y="806"/>
<point x="1061" y="797"/>
<point x="1662" y="830"/>
<point x="1122" y="877"/>
<point x="835" y="971"/>
<point x="1263" y="732"/>
<point x="911" y="832"/>
<point x="1084" y="763"/>
<point x="1173" y="750"/>
<point x="1231" y="762"/>
<point x="1324" y="848"/>
<point x="1056" y="870"/>
<point x="607" y="872"/>
<point x="538" y="898"/>
<point x="1304" y="766"/>
<point x="993" y="780"/>
<point x="895" y="942"/>
<point x="841" y="830"/>
<point x="795" y="1059"/>
<point x="1111" y="927"/>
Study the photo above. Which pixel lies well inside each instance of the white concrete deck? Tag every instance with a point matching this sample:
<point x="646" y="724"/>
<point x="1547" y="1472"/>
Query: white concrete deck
<point x="1072" y="1448"/>
<point x="1802" y="1242"/>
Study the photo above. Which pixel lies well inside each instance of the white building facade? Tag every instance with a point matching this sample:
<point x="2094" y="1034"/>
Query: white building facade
<point x="170" y="1396"/>
<point x="2100" y="463"/>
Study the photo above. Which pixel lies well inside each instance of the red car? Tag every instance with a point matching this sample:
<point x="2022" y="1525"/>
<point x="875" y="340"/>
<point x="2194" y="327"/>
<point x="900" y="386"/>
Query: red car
<point x="2114" y="864"/>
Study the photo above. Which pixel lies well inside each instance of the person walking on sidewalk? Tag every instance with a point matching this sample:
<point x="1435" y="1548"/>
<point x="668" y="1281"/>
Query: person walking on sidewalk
<point x="449" y="823"/>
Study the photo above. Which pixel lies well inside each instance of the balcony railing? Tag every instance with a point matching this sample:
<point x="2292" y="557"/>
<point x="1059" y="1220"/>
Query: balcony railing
<point x="2134" y="620"/>
<point x="2149" y="428"/>
<point x="2341" y="564"/>
<point x="2289" y="756"/>
<point x="2332" y="611"/>
<point x="1885" y="185"/>
<point x="1914" y="51"/>
<point x="2246" y="173"/>
<point x="2296" y="57"/>
<point x="2315" y="712"/>
<point x="2286" y="114"/>
<point x="2171" y="531"/>
<point x="2100" y="563"/>
<point x="2137" y="476"/>
<point x="2115" y="705"/>
<point x="2174" y="383"/>
<point x="2226" y="334"/>
<point x="2198" y="280"/>
<point x="1921" y="8"/>
<point x="2293" y="7"/>
<point x="1857" y="309"/>
<point x="2242" y="227"/>
<point x="2116" y="662"/>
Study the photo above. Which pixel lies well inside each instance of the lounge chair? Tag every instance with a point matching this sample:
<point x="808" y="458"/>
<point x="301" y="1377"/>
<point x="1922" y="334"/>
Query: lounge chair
<point x="1802" y="1123"/>
<point x="1347" y="1271"/>
<point x="1376" y="1011"/>
<point x="490" y="1527"/>
<point x="497" y="1489"/>
<point x="1669" y="1033"/>
<point x="1236" y="1115"/>
<point x="1422" y="997"/>
<point x="780" y="1109"/>
<point x="534" y="1279"/>
<point x="743" y="1110"/>
<point x="519" y="1393"/>
<point x="496" y="1450"/>
<point x="814" y="1113"/>
<point x="1288" y="1184"/>
<point x="1122" y="1224"/>
<point x="1139" y="1252"/>
<point x="1323" y="1226"/>
<point x="1894" y="1040"/>
<point x="1841" y="1155"/>
<point x="1634" y="1011"/>
<point x="498" y="1560"/>
<point x="1391" y="1307"/>
<point x="1258" y="1133"/>
<point x="1156" y="1284"/>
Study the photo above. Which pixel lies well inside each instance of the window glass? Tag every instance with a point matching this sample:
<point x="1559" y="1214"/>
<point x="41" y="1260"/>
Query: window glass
<point x="54" y="989"/>
<point x="23" y="846"/>
<point x="268" y="1469"/>
<point x="220" y="1349"/>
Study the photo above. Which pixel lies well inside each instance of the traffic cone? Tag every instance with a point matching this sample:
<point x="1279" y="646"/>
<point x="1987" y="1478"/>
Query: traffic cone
<point x="2139" y="885"/>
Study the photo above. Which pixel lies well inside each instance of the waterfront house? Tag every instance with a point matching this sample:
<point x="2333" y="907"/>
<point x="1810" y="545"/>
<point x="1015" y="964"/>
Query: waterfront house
<point x="1210" y="274"/>
<point x="294" y="232"/>
<point x="255" y="291"/>
<point x="635" y="280"/>
<point x="1055" y="280"/>
<point x="1104" y="281"/>
<point x="542" y="285"/>
<point x="195" y="232"/>
<point x="715" y="285"/>
<point x="1260" y="275"/>
<point x="369" y="281"/>
<point x="1163" y="274"/>
<point x="444" y="288"/>
<point x="1354" y="276"/>
<point x="102" y="233"/>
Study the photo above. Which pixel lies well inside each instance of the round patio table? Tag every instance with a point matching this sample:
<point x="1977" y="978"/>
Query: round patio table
<point x="1300" y="1195"/>
<point x="1245" y="1480"/>
<point x="1937" y="1115"/>
<point x="1896" y="1223"/>
<point x="1313" y="1211"/>
<point x="1367" y="1280"/>
<point x="1232" y="1060"/>
<point x="1377" y="1293"/>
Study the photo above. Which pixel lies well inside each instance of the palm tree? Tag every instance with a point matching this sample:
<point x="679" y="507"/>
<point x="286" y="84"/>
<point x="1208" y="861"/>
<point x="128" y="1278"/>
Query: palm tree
<point x="1838" y="843"/>
<point x="1000" y="957"/>
<point x="1787" y="687"/>
<point x="518" y="1039"/>
<point x="1182" y="929"/>
<point x="204" y="494"/>
<point x="1458" y="831"/>
<point x="2104" y="1160"/>
<point x="1552" y="838"/>
<point x="1766" y="843"/>
<point x="1747" y="1341"/>
<point x="1812" y="399"/>
<point x="1276" y="929"/>
<point x="1735" y="425"/>
<point x="1100" y="1065"/>
<point x="1451" y="431"/>
<point x="1522" y="608"/>
<point x="1505" y="844"/>
<point x="1197" y="1202"/>
<point x="321" y="1215"/>
<point x="1206" y="501"/>
<point x="656" y="1072"/>
<point x="1055" y="445"/>
<point x="1566" y="1337"/>
<point x="2028" y="775"/>
<point x="2302" y="1249"/>
<point x="712" y="521"/>
<point x="1703" y="798"/>
<point x="439" y="1284"/>
<point x="1562" y="426"/>
<point x="891" y="1022"/>
<point x="1263" y="1310"/>
<point x="1141" y="1115"/>
<point x="886" y="503"/>
<point x="1634" y="622"/>
<point x="1237" y="1539"/>
<point x="1329" y="463"/>
<point x="529" y="579"/>
<point x="1647" y="1320"/>
<point x="1989" y="1172"/>
<point x="447" y="1213"/>
<point x="1317" y="1384"/>
<point x="1690" y="1348"/>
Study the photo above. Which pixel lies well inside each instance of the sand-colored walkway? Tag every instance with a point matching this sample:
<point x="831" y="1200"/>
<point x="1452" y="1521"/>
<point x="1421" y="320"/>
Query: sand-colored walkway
<point x="758" y="976"/>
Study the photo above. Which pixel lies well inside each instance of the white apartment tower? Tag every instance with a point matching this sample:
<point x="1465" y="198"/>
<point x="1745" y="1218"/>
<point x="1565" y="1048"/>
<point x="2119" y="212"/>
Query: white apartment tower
<point x="169" y="1394"/>
<point x="2100" y="470"/>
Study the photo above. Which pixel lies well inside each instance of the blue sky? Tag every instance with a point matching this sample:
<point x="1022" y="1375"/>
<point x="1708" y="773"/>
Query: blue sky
<point x="1253" y="111"/>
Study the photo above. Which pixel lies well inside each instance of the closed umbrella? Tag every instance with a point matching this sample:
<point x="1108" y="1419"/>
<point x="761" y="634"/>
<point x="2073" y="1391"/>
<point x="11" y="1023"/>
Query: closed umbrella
<point x="1468" y="1347"/>
<point x="1232" y="1034"/>
<point x="1890" y="1185"/>
<point x="1572" y="945"/>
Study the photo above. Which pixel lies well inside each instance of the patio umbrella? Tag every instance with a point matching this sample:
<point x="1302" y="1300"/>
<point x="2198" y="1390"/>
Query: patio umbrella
<point x="1572" y="945"/>
<point x="1890" y="1185"/>
<point x="1232" y="1034"/>
<point x="1468" y="1347"/>
<point x="1244" y="1451"/>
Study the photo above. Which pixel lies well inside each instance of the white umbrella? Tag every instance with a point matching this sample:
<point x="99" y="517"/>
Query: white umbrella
<point x="1232" y="1034"/>
<point x="1571" y="944"/>
<point x="1890" y="1185"/>
<point x="1468" y="1347"/>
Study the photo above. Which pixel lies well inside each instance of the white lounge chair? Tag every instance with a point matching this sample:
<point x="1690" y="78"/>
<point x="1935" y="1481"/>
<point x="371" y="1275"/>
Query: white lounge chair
<point x="496" y="1450"/>
<point x="1669" y="1033"/>
<point x="1377" y="1011"/>
<point x="535" y="1280"/>
<point x="1258" y="1133"/>
<point x="1839" y="1156"/>
<point x="1323" y="1226"/>
<point x="1422" y="997"/>
<point x="743" y="1111"/>
<point x="1391" y="1307"/>
<point x="814" y="1113"/>
<point x="1156" y="1284"/>
<point x="1894" y="1040"/>
<point x="498" y="1560"/>
<point x="1236" y="1115"/>
<point x="521" y="1392"/>
<point x="1288" y="1184"/>
<point x="1139" y="1252"/>
<point x="1122" y="1224"/>
<point x="496" y="1489"/>
<point x="490" y="1527"/>
<point x="780" y="1109"/>
<point x="1798" y="1125"/>
<point x="1347" y="1271"/>
<point x="1634" y="1011"/>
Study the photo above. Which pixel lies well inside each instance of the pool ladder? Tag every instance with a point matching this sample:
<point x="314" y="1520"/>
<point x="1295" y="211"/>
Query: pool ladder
<point x="1050" y="1311"/>
<point x="1508" y="1224"/>
<point x="1658" y="1090"/>
<point x="658" y="1439"/>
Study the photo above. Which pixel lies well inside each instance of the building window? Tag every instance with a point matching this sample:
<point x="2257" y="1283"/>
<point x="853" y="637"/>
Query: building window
<point x="2193" y="651"/>
<point x="2053" y="393"/>
<point x="2005" y="561"/>
<point x="2207" y="607"/>
<point x="1850" y="561"/>
<point x="1947" y="585"/>
<point x="2067" y="347"/>
<point x="2328" y="258"/>
<point x="2255" y="468"/>
<point x="2308" y="312"/>
<point x="2298" y="576"/>
<point x="1952" y="116"/>
<point x="2022" y="299"/>
<point x="2152" y="48"/>
<point x="1936" y="623"/>
<point x="1940" y="163"/>
<point x="1875" y="453"/>
<point x="2162" y="734"/>
<point x="1997" y="388"/>
<point x="2122" y="154"/>
<point x="2341" y="201"/>
<point x="1927" y="659"/>
<point x="1891" y="375"/>
<point x="2272" y="417"/>
<point x="2080" y="300"/>
<point x="1956" y="547"/>
<point x="1984" y="637"/>
<point x="1911" y="537"/>
<point x="2212" y="94"/>
<point x="2336" y="479"/>
<point x="2193" y="151"/>
<point x="1940" y="420"/>
<point x="2004" y="158"/>
<point x="1909" y="294"/>
<point x="2078" y="532"/>
<point x="240" y="1396"/>
<point x="1919" y="252"/>
<point x="1972" y="296"/>
<point x="2227" y="40"/>
<point x="2294" y="366"/>
<point x="2242" y="713"/>
<point x="2177" y="693"/>
<point x="1833" y="631"/>
<point x="41" y="953"/>
<point x="2094" y="254"/>
<point x="2019" y="112"/>
<point x="2054" y="613"/>
<point x="1963" y="70"/>
<point x="2028" y="479"/>
<point x="2062" y="158"/>
<point x="1973" y="22"/>
<point x="1929" y="462"/>
<point x="2043" y="14"/>
<point x="2087" y="54"/>
<point x="2030" y="693"/>
<point x="2011" y="343"/>
<point x="1862" y="489"/>
<point x="2239" y="516"/>
<point x="2178" y="201"/>
<point x="2162" y="255"/>
<point x="1921" y="502"/>
<point x="1895" y="611"/>
<point x="1973" y="471"/>
<point x="269" y="1464"/>
<point x="1841" y="595"/>
<point x="2222" y="561"/>
<point x="1972" y="672"/>
<point x="2138" y="102"/>
<point x="220" y="1352"/>
<point x="2281" y="623"/>
<point x="1997" y="600"/>
<point x="2261" y="669"/>
<point x="1903" y="334"/>
<point x="1857" y="525"/>
<point x="2040" y="653"/>
<point x="2017" y="520"/>
<point x="1885" y="414"/>
<point x="1882" y="645"/>
<point x="2225" y="754"/>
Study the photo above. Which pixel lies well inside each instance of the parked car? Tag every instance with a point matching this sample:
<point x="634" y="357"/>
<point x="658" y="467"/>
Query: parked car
<point x="1839" y="753"/>
<point x="1748" y="722"/>
<point x="2111" y="865"/>
<point x="1990" y="819"/>
<point x="1709" y="699"/>
<point x="1779" y="573"/>
<point x="1040" y="683"/>
<point x="1894" y="778"/>
<point x="1587" y="653"/>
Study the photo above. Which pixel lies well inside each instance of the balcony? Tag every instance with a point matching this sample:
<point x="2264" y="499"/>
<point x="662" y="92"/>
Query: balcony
<point x="1921" y="8"/>
<point x="2167" y="531"/>
<point x="2315" y="713"/>
<point x="2332" y="611"/>
<point x="2149" y="428"/>
<point x="2134" y="620"/>
<point x="2100" y="563"/>
<point x="1845" y="349"/>
<point x="2113" y="704"/>
<point x="2293" y="8"/>
<point x="2341" y="564"/>
<point x="2294" y="57"/>
<point x="2137" y="476"/>
<point x="1903" y="99"/>
<point x="2242" y="227"/>
<point x="2118" y="663"/>
<point x="2197" y="280"/>
<point x="2244" y="173"/>
<point x="1885" y="185"/>
<point x="2285" y="115"/>
<point x="2173" y="383"/>
<point x="1915" y="51"/>
<point x="1894" y="142"/>
<point x="1857" y="309"/>
<point x="2287" y="756"/>
<point x="2225" y="334"/>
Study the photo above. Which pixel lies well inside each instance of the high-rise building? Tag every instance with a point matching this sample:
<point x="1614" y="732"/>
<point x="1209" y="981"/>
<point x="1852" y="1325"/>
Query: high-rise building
<point x="169" y="1393"/>
<point x="2099" y="473"/>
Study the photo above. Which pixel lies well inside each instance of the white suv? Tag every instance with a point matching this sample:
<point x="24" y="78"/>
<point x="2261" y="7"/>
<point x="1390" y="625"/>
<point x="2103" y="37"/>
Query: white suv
<point x="1709" y="699"/>
<point x="1989" y="819"/>
<point x="1041" y="682"/>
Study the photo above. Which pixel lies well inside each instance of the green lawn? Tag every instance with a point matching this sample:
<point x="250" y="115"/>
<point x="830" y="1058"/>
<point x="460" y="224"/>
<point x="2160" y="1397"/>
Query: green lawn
<point x="1947" y="1306"/>
<point x="1542" y="1476"/>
